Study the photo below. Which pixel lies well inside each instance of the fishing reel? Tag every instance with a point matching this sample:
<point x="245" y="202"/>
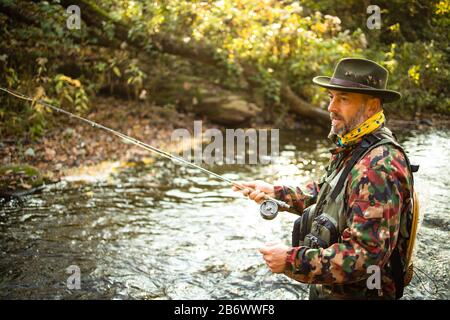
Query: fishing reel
<point x="268" y="209"/>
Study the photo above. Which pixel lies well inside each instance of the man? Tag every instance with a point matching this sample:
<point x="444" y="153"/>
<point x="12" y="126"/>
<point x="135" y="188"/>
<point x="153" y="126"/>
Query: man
<point x="354" y="222"/>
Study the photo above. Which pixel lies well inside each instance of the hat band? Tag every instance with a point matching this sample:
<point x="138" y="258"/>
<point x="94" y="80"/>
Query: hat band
<point x="347" y="83"/>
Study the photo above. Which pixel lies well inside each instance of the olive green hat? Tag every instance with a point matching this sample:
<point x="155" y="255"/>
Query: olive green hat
<point x="360" y="76"/>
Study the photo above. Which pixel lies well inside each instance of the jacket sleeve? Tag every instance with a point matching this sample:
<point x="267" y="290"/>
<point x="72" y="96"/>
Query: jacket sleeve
<point x="296" y="197"/>
<point x="377" y="187"/>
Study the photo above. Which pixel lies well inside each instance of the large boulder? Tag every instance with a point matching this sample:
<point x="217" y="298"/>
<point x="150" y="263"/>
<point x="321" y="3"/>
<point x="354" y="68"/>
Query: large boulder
<point x="203" y="98"/>
<point x="227" y="109"/>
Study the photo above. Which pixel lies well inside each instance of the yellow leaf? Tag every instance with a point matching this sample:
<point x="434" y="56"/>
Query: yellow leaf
<point x="117" y="71"/>
<point x="39" y="93"/>
<point x="148" y="160"/>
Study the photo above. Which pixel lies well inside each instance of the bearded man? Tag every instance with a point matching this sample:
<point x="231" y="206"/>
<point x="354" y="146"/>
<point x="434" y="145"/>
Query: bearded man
<point x="355" y="221"/>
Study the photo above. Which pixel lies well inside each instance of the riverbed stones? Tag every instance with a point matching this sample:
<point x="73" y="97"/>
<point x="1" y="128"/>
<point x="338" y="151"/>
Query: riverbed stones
<point x="19" y="179"/>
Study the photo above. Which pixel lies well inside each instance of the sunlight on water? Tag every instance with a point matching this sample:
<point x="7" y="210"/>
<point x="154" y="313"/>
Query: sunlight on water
<point x="159" y="231"/>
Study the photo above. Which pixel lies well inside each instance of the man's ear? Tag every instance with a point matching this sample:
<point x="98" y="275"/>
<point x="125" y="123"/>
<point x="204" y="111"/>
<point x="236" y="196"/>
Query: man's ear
<point x="373" y="105"/>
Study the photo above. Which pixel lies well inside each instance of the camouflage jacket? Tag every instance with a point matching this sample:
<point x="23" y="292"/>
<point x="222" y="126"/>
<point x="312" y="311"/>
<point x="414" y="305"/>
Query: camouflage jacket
<point x="378" y="195"/>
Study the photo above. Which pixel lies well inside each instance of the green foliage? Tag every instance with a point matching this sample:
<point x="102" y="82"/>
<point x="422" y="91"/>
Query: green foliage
<point x="293" y="41"/>
<point x="284" y="41"/>
<point x="70" y="91"/>
<point x="34" y="44"/>
<point x="135" y="76"/>
<point x="412" y="44"/>
<point x="425" y="88"/>
<point x="276" y="36"/>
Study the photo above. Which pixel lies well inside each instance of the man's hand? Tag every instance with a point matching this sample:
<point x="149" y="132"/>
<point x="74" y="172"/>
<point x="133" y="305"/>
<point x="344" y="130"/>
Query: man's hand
<point x="275" y="255"/>
<point x="257" y="191"/>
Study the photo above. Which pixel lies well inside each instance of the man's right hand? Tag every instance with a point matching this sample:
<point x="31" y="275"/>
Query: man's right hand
<point x="257" y="190"/>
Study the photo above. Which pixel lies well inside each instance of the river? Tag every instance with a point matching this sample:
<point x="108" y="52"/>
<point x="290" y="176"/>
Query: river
<point x="160" y="231"/>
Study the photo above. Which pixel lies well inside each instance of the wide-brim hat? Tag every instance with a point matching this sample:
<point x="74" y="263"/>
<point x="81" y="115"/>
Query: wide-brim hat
<point x="360" y="76"/>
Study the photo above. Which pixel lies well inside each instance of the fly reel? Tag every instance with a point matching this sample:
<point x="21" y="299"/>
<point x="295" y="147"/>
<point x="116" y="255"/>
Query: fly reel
<point x="268" y="209"/>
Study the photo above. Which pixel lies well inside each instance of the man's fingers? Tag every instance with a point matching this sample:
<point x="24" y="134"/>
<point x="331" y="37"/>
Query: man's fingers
<point x="261" y="196"/>
<point x="245" y="192"/>
<point x="254" y="194"/>
<point x="240" y="184"/>
<point x="250" y="184"/>
<point x="264" y="250"/>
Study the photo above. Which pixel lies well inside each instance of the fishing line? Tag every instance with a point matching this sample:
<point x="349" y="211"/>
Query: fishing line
<point x="268" y="208"/>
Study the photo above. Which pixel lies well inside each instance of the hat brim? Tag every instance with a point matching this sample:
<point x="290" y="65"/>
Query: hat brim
<point x="385" y="95"/>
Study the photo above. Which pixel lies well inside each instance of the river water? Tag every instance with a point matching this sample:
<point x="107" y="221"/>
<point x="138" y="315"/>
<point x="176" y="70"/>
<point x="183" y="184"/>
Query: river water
<point x="160" y="231"/>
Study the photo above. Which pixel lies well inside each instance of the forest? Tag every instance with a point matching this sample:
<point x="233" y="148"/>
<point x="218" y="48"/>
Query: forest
<point x="231" y="61"/>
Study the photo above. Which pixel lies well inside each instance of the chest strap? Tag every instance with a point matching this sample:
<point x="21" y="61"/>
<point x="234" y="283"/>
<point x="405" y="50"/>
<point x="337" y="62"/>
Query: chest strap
<point x="366" y="144"/>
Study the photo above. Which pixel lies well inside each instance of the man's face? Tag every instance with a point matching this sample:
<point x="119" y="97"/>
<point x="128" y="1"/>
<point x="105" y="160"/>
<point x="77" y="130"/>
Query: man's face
<point x="347" y="111"/>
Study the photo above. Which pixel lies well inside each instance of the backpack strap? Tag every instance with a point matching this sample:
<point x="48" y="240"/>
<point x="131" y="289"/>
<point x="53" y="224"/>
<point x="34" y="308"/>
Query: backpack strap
<point x="368" y="141"/>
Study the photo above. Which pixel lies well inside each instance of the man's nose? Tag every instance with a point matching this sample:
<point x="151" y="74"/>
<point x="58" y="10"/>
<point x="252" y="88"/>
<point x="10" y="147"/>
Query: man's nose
<point x="332" y="106"/>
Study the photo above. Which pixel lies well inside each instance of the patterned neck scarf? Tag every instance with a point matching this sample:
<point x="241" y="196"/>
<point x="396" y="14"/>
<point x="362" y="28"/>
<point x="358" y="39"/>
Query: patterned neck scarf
<point x="364" y="128"/>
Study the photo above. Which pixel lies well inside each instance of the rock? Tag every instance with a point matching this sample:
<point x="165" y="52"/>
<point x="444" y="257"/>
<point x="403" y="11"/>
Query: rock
<point x="227" y="110"/>
<point x="49" y="154"/>
<point x="30" y="153"/>
<point x="19" y="179"/>
<point x="426" y="122"/>
<point x="68" y="133"/>
<point x="191" y="94"/>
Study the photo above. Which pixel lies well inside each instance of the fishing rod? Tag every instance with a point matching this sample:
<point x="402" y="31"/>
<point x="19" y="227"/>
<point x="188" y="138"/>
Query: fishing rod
<point x="268" y="209"/>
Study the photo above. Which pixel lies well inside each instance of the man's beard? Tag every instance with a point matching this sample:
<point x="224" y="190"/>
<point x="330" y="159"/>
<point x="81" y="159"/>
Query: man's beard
<point x="350" y="125"/>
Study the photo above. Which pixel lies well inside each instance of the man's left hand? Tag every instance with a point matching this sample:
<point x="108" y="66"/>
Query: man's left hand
<point x="275" y="255"/>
